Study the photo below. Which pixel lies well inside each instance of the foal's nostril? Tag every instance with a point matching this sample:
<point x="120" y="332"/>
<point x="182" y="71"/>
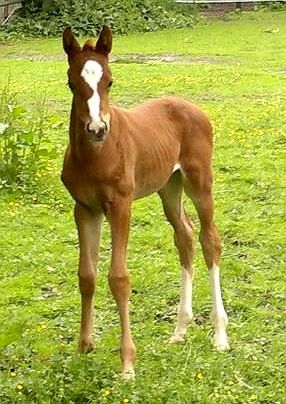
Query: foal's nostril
<point x="101" y="132"/>
<point x="89" y="129"/>
<point x="105" y="126"/>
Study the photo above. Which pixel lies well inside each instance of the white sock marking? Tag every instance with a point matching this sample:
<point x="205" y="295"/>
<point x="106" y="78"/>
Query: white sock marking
<point x="92" y="73"/>
<point x="185" y="312"/>
<point x="218" y="312"/>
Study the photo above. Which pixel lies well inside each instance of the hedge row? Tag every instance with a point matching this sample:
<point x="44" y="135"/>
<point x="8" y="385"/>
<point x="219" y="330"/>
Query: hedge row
<point x="50" y="17"/>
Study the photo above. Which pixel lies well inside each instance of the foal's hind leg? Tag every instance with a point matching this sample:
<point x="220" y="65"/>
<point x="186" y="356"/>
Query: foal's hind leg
<point x="198" y="184"/>
<point x="171" y="196"/>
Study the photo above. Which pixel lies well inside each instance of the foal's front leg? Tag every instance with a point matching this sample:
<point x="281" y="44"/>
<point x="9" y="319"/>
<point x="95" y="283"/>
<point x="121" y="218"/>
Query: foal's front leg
<point x="118" y="214"/>
<point x="89" y="226"/>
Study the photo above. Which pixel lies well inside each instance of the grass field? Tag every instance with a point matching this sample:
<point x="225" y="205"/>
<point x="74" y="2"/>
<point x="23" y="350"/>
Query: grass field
<point x="236" y="70"/>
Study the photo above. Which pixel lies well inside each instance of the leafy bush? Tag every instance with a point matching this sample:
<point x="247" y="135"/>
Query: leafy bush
<point x="50" y="17"/>
<point x="25" y="146"/>
<point x="273" y="5"/>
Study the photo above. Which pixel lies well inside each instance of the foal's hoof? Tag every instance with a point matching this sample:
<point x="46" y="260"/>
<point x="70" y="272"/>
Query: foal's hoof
<point x="85" y="347"/>
<point x="221" y="341"/>
<point x="177" y="339"/>
<point x="128" y="374"/>
<point x="221" y="346"/>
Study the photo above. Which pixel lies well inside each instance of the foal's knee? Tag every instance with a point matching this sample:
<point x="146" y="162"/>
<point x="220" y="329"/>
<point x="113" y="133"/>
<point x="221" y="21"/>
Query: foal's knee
<point x="87" y="283"/>
<point x="119" y="284"/>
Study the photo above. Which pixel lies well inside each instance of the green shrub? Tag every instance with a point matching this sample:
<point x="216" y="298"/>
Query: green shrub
<point x="25" y="145"/>
<point x="50" y="17"/>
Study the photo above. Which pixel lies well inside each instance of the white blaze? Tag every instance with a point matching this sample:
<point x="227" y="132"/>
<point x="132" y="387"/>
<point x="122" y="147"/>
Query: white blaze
<point x="92" y="73"/>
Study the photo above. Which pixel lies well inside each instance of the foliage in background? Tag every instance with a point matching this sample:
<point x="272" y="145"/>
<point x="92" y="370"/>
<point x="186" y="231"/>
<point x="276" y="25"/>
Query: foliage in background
<point x="50" y="17"/>
<point x="25" y="144"/>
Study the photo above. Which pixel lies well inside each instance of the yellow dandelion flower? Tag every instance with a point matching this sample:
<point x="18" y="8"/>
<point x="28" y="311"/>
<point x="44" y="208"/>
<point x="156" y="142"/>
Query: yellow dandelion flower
<point x="19" y="387"/>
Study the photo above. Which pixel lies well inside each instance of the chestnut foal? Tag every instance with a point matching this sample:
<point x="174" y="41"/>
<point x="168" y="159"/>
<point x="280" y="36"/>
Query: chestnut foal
<point x="117" y="155"/>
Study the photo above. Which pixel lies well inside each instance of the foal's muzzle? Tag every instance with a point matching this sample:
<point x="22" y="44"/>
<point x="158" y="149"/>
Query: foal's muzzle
<point x="96" y="131"/>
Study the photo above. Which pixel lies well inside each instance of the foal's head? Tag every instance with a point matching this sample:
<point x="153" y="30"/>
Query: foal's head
<point x="89" y="79"/>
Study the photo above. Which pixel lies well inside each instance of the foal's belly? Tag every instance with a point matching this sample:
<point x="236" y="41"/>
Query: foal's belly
<point x="153" y="182"/>
<point x="146" y="191"/>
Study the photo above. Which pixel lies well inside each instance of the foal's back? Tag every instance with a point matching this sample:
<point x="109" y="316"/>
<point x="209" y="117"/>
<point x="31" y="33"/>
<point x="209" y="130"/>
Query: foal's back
<point x="162" y="135"/>
<point x="170" y="115"/>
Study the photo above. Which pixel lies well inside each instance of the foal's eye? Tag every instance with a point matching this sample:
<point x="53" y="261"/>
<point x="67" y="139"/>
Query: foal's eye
<point x="110" y="83"/>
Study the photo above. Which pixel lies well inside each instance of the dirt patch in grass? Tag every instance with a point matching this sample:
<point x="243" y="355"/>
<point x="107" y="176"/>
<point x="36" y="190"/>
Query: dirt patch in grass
<point x="170" y="58"/>
<point x="130" y="58"/>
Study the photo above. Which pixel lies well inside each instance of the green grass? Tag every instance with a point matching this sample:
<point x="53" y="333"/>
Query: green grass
<point x="239" y="78"/>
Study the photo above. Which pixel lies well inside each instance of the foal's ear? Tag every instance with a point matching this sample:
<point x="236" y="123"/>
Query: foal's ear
<point x="104" y="42"/>
<point x="70" y="44"/>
